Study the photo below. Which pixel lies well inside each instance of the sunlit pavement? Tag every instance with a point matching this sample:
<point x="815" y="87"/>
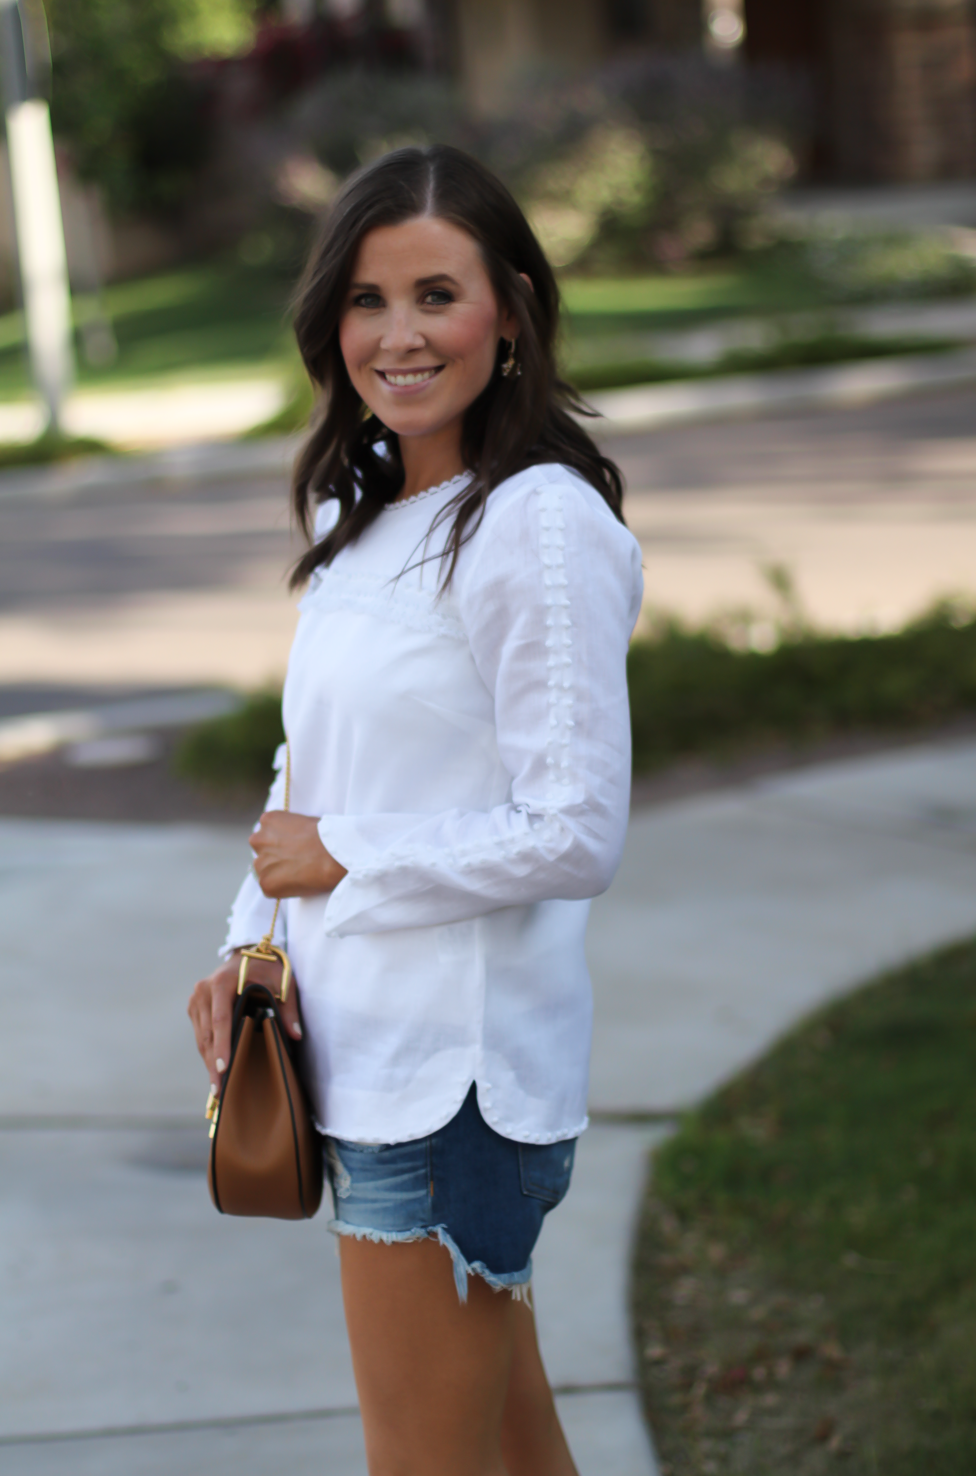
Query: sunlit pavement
<point x="142" y="1334"/>
<point x="173" y="571"/>
<point x="139" y="1331"/>
<point x="161" y="414"/>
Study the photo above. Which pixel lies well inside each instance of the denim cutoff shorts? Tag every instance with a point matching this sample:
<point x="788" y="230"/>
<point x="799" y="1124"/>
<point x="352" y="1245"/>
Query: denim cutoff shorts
<point x="482" y="1196"/>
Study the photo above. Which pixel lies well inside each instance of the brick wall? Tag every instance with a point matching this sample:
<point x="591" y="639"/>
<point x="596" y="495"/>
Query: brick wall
<point x="902" y="89"/>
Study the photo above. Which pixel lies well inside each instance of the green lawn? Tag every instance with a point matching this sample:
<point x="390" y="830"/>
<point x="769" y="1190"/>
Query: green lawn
<point x="805" y="1273"/>
<point x="223" y="317"/>
<point x="598" y="305"/>
<point x="214" y="319"/>
<point x="792" y="353"/>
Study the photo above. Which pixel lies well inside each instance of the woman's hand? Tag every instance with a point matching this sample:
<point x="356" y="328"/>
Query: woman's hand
<point x="211" y="1009"/>
<point x="289" y="857"/>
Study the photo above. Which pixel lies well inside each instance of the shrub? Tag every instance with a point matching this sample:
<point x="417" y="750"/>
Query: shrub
<point x="691" y="692"/>
<point x="649" y="162"/>
<point x="235" y="751"/>
<point x="858" y="265"/>
<point x="355" y="114"/>
<point x="656" y="160"/>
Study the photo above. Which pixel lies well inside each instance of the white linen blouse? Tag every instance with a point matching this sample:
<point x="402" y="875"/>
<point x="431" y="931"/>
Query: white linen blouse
<point x="468" y="754"/>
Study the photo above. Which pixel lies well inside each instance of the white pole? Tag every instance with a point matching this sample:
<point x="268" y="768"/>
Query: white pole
<point x="40" y="243"/>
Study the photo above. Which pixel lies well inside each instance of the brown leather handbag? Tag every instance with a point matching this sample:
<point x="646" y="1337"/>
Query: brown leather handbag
<point x="265" y="1153"/>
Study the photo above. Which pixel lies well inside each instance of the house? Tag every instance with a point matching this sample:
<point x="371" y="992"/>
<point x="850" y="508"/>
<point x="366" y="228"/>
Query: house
<point x="894" y="81"/>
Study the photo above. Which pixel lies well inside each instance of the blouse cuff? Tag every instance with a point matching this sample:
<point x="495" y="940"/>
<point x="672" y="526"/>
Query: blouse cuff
<point x="406" y="871"/>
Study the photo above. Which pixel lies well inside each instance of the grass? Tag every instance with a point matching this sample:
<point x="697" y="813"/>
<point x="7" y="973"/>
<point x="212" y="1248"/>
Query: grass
<point x="693" y="693"/>
<point x="46" y="448"/>
<point x="825" y="348"/>
<point x="805" y="1271"/>
<point x="223" y="318"/>
<point x="215" y="318"/>
<point x="607" y="304"/>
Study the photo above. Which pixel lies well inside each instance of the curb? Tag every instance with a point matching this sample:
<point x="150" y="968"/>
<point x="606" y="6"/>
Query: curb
<point x="740" y="396"/>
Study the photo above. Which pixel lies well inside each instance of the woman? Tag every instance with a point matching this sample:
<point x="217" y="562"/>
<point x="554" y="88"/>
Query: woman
<point x="456" y="708"/>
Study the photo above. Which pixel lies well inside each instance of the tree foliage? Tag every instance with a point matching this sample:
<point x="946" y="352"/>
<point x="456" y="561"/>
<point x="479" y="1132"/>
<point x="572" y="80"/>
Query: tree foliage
<point x="123" y="98"/>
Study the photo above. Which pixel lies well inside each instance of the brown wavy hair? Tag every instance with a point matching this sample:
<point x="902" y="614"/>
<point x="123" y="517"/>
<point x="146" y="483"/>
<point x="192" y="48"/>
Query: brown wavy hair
<point x="514" y="423"/>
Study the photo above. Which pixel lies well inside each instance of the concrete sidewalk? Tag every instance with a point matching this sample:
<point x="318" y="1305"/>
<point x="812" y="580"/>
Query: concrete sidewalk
<point x="140" y="1334"/>
<point x="156" y="415"/>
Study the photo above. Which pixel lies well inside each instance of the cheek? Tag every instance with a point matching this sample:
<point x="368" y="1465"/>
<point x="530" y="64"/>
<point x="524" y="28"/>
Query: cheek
<point x="473" y="338"/>
<point x="353" y="343"/>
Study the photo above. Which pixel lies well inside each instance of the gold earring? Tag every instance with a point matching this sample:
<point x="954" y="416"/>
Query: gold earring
<point x="511" y="365"/>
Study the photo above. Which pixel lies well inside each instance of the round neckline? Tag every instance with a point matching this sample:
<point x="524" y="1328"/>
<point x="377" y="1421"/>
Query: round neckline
<point x="428" y="491"/>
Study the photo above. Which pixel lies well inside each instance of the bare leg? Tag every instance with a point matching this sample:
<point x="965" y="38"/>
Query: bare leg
<point x="432" y="1374"/>
<point x="533" y="1443"/>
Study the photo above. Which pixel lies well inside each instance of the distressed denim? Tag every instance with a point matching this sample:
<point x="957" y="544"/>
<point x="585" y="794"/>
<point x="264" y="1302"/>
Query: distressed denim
<point x="482" y="1196"/>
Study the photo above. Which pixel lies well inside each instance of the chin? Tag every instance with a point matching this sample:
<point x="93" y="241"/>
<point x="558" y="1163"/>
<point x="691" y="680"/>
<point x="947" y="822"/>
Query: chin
<point x="403" y="422"/>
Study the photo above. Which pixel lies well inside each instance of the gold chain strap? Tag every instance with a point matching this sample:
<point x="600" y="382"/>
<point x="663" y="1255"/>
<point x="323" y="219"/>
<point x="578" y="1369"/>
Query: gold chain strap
<point x="266" y="949"/>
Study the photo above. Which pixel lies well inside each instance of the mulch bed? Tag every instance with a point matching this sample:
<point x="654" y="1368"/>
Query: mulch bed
<point x="48" y="787"/>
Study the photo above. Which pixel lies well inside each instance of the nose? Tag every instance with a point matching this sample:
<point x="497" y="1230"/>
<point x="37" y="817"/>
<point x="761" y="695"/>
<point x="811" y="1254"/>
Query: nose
<point x="401" y="334"/>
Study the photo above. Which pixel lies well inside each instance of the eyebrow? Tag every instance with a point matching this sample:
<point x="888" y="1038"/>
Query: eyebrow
<point x="420" y="282"/>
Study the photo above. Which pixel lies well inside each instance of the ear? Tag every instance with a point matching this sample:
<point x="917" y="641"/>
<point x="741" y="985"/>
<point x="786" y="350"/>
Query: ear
<point x="509" y="324"/>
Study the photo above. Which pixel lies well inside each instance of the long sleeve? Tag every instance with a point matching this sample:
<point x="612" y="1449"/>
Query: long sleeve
<point x="548" y="597"/>
<point x="251" y="911"/>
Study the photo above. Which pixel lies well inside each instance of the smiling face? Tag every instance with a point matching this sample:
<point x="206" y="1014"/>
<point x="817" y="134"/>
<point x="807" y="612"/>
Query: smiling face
<point x="420" y="327"/>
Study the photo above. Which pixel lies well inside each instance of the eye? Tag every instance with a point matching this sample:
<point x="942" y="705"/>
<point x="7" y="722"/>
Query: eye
<point x="438" y="297"/>
<point x="367" y="300"/>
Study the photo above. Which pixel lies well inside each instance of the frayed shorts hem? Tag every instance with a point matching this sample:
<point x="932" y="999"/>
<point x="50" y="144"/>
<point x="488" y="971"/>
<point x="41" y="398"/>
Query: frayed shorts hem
<point x="516" y="1282"/>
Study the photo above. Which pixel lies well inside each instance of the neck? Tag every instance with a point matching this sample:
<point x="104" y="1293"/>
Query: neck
<point x="430" y="460"/>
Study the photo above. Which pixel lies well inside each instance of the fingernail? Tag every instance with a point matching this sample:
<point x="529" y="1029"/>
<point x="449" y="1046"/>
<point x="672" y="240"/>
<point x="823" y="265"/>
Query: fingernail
<point x="221" y="1064"/>
<point x="214" y="1088"/>
<point x="298" y="1030"/>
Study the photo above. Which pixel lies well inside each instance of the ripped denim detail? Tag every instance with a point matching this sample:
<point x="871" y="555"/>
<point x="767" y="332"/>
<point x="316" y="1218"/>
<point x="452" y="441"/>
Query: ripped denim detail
<point x="338" y="1173"/>
<point x="518" y="1283"/>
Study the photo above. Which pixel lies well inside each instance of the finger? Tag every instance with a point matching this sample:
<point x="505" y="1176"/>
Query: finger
<point x="264" y="879"/>
<point x="268" y="876"/>
<point x="290" y="1014"/>
<point x="222" y="1015"/>
<point x="199" y="1012"/>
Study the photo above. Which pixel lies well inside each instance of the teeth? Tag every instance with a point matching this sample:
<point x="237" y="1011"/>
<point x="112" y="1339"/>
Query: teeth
<point x="401" y="379"/>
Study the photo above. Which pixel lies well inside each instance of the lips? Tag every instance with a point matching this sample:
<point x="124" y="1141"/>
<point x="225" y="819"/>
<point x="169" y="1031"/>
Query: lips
<point x="404" y="378"/>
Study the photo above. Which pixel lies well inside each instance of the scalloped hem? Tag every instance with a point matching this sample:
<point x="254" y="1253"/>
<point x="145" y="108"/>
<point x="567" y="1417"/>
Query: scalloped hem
<point x="518" y="1283"/>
